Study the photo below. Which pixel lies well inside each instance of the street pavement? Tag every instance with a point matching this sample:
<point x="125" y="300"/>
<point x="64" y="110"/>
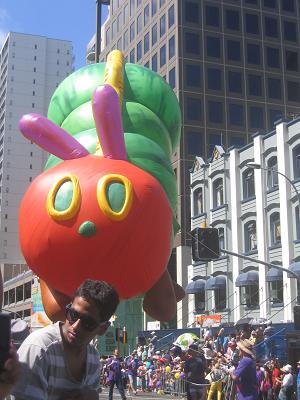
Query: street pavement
<point x="141" y="395"/>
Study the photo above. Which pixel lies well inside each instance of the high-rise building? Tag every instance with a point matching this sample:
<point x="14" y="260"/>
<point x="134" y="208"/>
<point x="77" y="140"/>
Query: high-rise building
<point x="31" y="68"/>
<point x="234" y="65"/>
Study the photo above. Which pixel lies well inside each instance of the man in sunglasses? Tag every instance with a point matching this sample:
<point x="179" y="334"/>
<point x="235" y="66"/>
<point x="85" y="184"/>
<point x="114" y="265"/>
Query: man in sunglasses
<point x="58" y="362"/>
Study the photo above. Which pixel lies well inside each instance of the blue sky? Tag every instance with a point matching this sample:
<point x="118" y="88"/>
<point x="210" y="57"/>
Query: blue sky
<point x="72" y="20"/>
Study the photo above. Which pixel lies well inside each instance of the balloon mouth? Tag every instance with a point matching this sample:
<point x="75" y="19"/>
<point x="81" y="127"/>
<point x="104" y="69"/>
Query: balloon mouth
<point x="87" y="229"/>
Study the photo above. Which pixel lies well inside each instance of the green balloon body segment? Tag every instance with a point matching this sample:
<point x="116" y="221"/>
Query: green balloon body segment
<point x="151" y="120"/>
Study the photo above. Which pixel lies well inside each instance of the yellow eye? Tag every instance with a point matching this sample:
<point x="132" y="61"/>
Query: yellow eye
<point x="63" y="200"/>
<point x="115" y="195"/>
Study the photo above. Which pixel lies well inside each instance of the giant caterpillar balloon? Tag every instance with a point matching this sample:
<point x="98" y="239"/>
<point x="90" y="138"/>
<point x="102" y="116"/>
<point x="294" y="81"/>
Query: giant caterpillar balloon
<point x="104" y="207"/>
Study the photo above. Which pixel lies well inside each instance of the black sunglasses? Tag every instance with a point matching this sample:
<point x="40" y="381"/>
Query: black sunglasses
<point x="88" y="323"/>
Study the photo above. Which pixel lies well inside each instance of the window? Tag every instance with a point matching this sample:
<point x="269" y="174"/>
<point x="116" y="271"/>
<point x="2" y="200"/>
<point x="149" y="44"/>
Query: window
<point x="291" y="59"/>
<point x="153" y="7"/>
<point x="270" y="3"/>
<point x="171" y="17"/>
<point x="193" y="75"/>
<point x="253" y="54"/>
<point x="274" y="88"/>
<point x="146" y="15"/>
<point x="296" y="161"/>
<point x="213" y="47"/>
<point x="154" y="63"/>
<point x="194" y="143"/>
<point x="256" y="117"/>
<point x="200" y="301"/>
<point x="214" y="79"/>
<point x="290" y="31"/>
<point x="288" y="5"/>
<point x="274" y="115"/>
<point x="220" y="298"/>
<point x="192" y="12"/>
<point x="248" y="184"/>
<point x="19" y="293"/>
<point x="125" y="40"/>
<point x="12" y="296"/>
<point x="27" y="290"/>
<point x="218" y="193"/>
<point x="114" y="28"/>
<point x="171" y="47"/>
<point x="107" y="36"/>
<point x="193" y="109"/>
<point x="276" y="292"/>
<point x="297" y="219"/>
<point x="125" y="14"/>
<point x="236" y="141"/>
<point x="162" y="56"/>
<point x="250" y="295"/>
<point x="139" y="24"/>
<point x="212" y="16"/>
<point x="162" y="25"/>
<point x="154" y="34"/>
<point x="192" y="43"/>
<point x="139" y="51"/>
<point x="232" y="19"/>
<point x="254" y="85"/>
<point x="215" y="112"/>
<point x="161" y="2"/>
<point x="271" y="27"/>
<point x="272" y="175"/>
<point x="252" y="24"/>
<point x="234" y="82"/>
<point x="198" y="202"/>
<point x="275" y="233"/>
<point x="236" y="114"/>
<point x="293" y="91"/>
<point x="273" y="57"/>
<point x="213" y="140"/>
<point x="146" y="43"/>
<point x="119" y="44"/>
<point x="221" y="238"/>
<point x="132" y="56"/>
<point x="250" y="236"/>
<point x="132" y="32"/>
<point x="233" y="50"/>
<point x="172" y="78"/>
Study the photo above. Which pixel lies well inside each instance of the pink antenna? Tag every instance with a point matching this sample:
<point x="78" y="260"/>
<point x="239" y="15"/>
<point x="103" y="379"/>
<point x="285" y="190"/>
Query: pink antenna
<point x="51" y="137"/>
<point x="108" y="121"/>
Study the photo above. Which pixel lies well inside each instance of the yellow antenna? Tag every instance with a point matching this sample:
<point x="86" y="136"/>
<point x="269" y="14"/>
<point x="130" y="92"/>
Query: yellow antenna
<point x="114" y="73"/>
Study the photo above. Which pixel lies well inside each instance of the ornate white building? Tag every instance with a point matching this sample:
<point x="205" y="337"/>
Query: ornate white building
<point x="257" y="214"/>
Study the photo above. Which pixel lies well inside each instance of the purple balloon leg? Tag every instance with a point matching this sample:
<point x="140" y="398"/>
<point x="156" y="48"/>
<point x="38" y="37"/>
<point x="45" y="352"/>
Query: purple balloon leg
<point x="108" y="120"/>
<point x="51" y="137"/>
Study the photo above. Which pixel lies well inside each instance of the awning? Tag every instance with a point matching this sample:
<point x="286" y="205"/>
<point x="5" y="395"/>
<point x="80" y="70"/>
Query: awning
<point x="195" y="286"/>
<point x="274" y="275"/>
<point x="215" y="282"/>
<point x="247" y="279"/>
<point x="294" y="267"/>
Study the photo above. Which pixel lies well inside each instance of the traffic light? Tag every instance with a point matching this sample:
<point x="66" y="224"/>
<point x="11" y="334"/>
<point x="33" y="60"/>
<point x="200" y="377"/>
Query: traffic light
<point x="205" y="244"/>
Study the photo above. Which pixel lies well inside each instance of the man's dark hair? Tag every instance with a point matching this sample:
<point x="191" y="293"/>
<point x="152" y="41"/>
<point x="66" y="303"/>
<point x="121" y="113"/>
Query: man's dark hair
<point x="100" y="293"/>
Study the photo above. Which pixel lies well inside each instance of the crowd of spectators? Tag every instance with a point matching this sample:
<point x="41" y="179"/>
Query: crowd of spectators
<point x="152" y="369"/>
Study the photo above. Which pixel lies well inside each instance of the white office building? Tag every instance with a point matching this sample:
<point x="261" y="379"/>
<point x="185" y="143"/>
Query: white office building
<point x="257" y="214"/>
<point x="31" y="67"/>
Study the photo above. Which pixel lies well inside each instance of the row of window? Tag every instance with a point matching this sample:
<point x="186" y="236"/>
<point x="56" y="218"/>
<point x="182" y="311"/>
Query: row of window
<point x="233" y="19"/>
<point x="234" y="52"/>
<point x="15" y="295"/>
<point x="249" y="296"/>
<point x="137" y="26"/>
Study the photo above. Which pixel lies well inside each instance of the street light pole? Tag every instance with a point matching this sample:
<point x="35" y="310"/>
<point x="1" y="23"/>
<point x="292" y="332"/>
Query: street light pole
<point x="98" y="30"/>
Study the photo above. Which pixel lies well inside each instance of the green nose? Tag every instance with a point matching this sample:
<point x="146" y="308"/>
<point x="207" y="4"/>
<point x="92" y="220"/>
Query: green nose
<point x="87" y="229"/>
